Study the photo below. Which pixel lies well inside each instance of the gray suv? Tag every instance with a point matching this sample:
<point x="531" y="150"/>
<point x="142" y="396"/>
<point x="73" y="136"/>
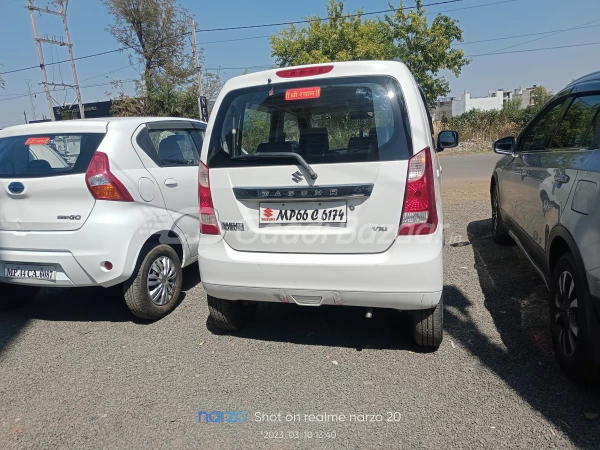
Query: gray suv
<point x="545" y="197"/>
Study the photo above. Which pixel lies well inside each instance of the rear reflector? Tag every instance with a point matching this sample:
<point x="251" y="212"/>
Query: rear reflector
<point x="419" y="214"/>
<point x="102" y="183"/>
<point x="306" y="72"/>
<point x="208" y="218"/>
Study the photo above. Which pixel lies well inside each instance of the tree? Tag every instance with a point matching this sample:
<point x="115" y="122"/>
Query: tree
<point x="541" y="96"/>
<point x="344" y="37"/>
<point x="425" y="49"/>
<point x="155" y="31"/>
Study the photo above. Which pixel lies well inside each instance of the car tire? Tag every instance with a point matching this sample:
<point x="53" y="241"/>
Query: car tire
<point x="14" y="295"/>
<point x="428" y="325"/>
<point x="154" y="289"/>
<point x="572" y="340"/>
<point x="230" y="315"/>
<point x="499" y="231"/>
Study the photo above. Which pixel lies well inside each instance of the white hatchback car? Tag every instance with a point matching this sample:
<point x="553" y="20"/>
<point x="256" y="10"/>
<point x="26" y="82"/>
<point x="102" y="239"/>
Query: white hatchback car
<point x="320" y="185"/>
<point x="100" y="202"/>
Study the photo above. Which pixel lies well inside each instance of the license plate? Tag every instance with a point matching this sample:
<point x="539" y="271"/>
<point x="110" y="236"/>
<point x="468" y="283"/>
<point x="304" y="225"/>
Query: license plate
<point x="30" y="271"/>
<point x="303" y="212"/>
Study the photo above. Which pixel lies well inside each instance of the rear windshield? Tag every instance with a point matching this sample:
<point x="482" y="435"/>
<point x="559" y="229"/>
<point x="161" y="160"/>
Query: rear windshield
<point x="335" y="120"/>
<point x="47" y="155"/>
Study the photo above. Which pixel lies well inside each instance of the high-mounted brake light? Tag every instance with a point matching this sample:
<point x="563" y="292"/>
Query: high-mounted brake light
<point x="102" y="183"/>
<point x="419" y="214"/>
<point x="208" y="218"/>
<point x="305" y="72"/>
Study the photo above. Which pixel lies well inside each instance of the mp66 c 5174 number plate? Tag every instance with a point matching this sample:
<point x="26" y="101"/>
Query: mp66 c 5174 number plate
<point x="303" y="212"/>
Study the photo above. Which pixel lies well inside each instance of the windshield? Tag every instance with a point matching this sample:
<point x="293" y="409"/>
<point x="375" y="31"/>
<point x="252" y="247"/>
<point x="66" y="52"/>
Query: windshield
<point x="47" y="155"/>
<point x="336" y="120"/>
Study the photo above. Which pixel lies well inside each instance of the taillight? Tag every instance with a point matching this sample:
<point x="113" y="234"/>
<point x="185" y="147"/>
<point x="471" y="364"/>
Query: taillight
<point x="419" y="214"/>
<point x="305" y="72"/>
<point x="208" y="218"/>
<point x="102" y="183"/>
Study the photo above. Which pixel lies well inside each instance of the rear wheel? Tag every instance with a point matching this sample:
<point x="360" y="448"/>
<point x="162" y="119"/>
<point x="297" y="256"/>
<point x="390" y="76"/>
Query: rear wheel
<point x="428" y="325"/>
<point x="154" y="289"/>
<point x="573" y="343"/>
<point x="230" y="315"/>
<point x="499" y="231"/>
<point x="14" y="295"/>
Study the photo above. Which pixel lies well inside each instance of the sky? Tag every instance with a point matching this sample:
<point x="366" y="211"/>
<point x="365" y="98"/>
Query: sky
<point x="479" y="19"/>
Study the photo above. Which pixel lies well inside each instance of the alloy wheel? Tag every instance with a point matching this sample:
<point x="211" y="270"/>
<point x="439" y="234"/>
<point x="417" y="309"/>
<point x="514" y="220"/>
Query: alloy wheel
<point x="495" y="208"/>
<point x="162" y="281"/>
<point x="566" y="316"/>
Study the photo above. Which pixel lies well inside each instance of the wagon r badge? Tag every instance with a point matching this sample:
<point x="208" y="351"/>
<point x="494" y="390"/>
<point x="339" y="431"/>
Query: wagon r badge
<point x="297" y="176"/>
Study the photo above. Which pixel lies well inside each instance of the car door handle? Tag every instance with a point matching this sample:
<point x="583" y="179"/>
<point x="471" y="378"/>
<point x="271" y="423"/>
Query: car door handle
<point x="562" y="178"/>
<point x="170" y="182"/>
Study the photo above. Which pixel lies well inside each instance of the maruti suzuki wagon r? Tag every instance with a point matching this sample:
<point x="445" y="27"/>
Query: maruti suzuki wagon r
<point x="320" y="185"/>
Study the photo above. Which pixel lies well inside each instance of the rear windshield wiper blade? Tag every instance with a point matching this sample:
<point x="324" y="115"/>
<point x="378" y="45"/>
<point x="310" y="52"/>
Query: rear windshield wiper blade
<point x="272" y="155"/>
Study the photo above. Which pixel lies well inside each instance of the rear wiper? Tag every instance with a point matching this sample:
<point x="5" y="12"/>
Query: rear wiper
<point x="271" y="155"/>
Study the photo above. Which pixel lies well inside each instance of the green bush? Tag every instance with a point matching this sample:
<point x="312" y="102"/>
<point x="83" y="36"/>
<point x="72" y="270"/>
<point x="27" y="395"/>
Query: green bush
<point x="488" y="126"/>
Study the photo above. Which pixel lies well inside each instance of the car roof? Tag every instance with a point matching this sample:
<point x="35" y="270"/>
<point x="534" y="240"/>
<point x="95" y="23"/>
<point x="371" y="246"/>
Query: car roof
<point x="98" y="125"/>
<point x="340" y="69"/>
<point x="592" y="78"/>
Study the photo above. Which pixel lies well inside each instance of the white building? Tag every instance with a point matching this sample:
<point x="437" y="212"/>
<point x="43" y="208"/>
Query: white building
<point x="451" y="106"/>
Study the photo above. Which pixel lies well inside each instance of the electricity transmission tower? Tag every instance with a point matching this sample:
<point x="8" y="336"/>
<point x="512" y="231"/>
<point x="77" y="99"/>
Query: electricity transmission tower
<point x="61" y="11"/>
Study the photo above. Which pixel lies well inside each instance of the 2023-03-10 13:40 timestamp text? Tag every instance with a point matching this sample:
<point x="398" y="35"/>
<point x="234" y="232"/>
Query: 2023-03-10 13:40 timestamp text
<point x="330" y="434"/>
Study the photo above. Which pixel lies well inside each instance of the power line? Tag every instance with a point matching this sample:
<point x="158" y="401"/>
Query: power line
<point x="544" y="37"/>
<point x="246" y="27"/>
<point x="64" y="61"/>
<point x="376" y="12"/>
<point x="255" y="26"/>
<point x="17" y="96"/>
<point x="106" y="73"/>
<point x="534" y="49"/>
<point x="522" y="35"/>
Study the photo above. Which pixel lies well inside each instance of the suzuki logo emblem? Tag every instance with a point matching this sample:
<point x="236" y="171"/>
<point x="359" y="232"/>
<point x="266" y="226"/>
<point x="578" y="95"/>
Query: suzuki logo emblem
<point x="268" y="213"/>
<point x="297" y="176"/>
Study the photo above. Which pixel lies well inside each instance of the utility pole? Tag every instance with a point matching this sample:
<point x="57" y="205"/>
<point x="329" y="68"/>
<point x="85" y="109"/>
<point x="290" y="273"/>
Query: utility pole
<point x="41" y="57"/>
<point x="202" y="107"/>
<point x="31" y="101"/>
<point x="63" y="4"/>
<point x="25" y="114"/>
<point x="62" y="12"/>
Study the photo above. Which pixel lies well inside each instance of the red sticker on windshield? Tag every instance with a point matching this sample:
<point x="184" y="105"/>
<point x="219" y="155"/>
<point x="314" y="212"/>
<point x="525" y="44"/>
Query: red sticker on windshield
<point x="37" y="141"/>
<point x="303" y="94"/>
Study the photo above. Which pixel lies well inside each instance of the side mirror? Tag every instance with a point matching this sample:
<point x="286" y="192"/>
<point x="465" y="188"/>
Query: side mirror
<point x="505" y="146"/>
<point x="447" y="139"/>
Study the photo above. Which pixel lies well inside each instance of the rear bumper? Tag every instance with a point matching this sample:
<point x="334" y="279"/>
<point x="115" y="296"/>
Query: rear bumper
<point x="408" y="276"/>
<point x="114" y="233"/>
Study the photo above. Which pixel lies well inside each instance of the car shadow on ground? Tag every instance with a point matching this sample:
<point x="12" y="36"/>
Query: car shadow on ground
<point x="95" y="304"/>
<point x="516" y="299"/>
<point x="331" y="326"/>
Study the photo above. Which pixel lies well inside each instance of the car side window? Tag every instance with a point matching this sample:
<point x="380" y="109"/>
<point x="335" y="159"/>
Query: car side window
<point x="536" y="137"/>
<point x="169" y="147"/>
<point x="592" y="141"/>
<point x="574" y="131"/>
